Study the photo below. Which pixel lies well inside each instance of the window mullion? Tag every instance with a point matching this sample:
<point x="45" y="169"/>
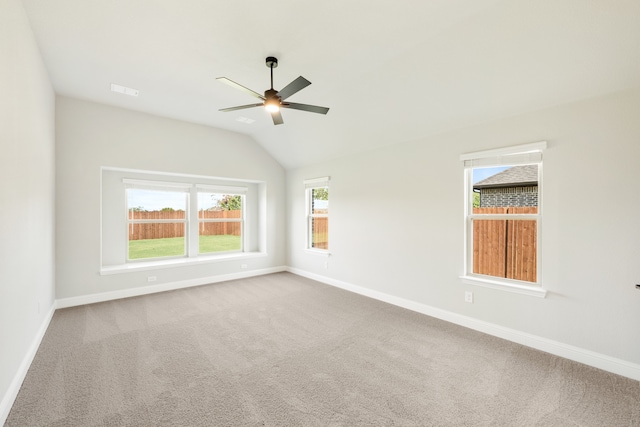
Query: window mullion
<point x="514" y="217"/>
<point x="156" y="221"/>
<point x="192" y="224"/>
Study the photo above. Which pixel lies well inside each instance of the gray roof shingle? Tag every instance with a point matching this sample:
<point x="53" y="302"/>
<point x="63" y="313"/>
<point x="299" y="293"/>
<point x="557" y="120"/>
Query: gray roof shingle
<point x="516" y="175"/>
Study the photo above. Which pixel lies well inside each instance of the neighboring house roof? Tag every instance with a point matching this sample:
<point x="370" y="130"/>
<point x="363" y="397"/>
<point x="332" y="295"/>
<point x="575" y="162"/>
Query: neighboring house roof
<point x="514" y="176"/>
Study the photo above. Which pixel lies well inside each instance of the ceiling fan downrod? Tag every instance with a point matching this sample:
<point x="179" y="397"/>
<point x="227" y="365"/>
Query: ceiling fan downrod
<point x="272" y="63"/>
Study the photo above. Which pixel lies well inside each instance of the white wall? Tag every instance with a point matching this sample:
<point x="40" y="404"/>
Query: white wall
<point x="396" y="224"/>
<point x="90" y="136"/>
<point x="26" y="198"/>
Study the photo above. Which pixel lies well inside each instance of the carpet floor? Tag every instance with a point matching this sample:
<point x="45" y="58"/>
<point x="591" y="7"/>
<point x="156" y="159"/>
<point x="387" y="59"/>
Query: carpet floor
<point x="282" y="350"/>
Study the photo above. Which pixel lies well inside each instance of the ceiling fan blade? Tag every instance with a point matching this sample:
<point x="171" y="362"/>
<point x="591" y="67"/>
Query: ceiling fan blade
<point x="239" y="86"/>
<point x="241" y="107"/>
<point x="293" y="87"/>
<point x="277" y="118"/>
<point x="305" y="107"/>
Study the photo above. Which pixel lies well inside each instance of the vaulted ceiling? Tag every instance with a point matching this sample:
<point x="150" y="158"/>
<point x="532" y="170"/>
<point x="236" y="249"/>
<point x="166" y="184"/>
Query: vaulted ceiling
<point x="391" y="71"/>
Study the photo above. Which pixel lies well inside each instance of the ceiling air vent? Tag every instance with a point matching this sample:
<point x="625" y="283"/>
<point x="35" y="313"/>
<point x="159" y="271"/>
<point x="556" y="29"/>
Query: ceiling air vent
<point x="124" y="90"/>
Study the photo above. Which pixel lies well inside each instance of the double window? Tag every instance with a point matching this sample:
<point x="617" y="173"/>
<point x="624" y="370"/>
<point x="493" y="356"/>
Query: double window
<point x="151" y="219"/>
<point x="503" y="208"/>
<point x="317" y="213"/>
<point x="167" y="219"/>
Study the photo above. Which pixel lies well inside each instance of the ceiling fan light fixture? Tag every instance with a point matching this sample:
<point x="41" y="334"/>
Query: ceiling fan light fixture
<point x="272" y="105"/>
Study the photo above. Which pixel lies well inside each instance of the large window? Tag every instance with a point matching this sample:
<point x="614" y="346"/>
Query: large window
<point x="317" y="213"/>
<point x="151" y="219"/>
<point x="503" y="199"/>
<point x="166" y="219"/>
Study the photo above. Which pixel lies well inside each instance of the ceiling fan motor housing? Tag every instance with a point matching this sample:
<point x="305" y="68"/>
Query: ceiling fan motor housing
<point x="271" y="93"/>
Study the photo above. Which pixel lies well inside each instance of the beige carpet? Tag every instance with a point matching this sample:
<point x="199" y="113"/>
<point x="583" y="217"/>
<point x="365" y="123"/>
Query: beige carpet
<point x="281" y="350"/>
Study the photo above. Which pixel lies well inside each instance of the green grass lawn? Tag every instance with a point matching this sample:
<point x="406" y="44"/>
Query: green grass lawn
<point x="155" y="248"/>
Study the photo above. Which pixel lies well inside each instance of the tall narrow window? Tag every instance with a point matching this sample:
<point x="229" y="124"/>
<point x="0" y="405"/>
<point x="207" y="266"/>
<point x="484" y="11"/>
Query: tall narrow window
<point x="156" y="220"/>
<point x="220" y="219"/>
<point x="317" y="201"/>
<point x="503" y="211"/>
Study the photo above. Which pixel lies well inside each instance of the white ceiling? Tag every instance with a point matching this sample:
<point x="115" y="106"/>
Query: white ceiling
<point x="391" y="71"/>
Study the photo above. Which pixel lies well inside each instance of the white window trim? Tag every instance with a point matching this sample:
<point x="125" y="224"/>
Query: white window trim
<point x="513" y="155"/>
<point x="310" y="184"/>
<point x="224" y="189"/>
<point x="319" y="252"/>
<point x="160" y="263"/>
<point x="504" y="285"/>
<point x="534" y="147"/>
<point x="156" y="185"/>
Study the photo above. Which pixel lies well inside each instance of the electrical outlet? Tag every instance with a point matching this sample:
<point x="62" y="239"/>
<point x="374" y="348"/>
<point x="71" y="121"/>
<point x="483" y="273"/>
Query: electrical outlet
<point x="468" y="297"/>
<point x="151" y="278"/>
<point x="326" y="265"/>
<point x="243" y="266"/>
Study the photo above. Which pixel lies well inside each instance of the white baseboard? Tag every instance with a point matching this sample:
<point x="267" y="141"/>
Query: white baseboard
<point x="21" y="373"/>
<point x="577" y="354"/>
<point x="145" y="290"/>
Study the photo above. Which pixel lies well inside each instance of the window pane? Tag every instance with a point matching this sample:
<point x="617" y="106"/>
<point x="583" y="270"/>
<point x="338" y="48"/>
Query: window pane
<point x="156" y="201"/>
<point x="210" y="202"/>
<point x="216" y="234"/>
<point x="320" y="200"/>
<point x="505" y="248"/>
<point x="156" y="239"/>
<point x="319" y="233"/>
<point x="152" y="244"/>
<point x="219" y="236"/>
<point x="505" y="186"/>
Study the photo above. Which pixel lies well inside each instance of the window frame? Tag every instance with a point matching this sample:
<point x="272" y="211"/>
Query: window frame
<point x="507" y="156"/>
<point x="113" y="219"/>
<point x="310" y="185"/>
<point x="191" y="220"/>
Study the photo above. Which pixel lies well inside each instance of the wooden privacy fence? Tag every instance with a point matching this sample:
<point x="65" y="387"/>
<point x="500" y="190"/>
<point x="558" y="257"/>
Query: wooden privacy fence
<point x="162" y="230"/>
<point x="505" y="248"/>
<point x="320" y="233"/>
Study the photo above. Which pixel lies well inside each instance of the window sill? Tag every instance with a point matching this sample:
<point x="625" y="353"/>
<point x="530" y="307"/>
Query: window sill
<point x="177" y="262"/>
<point x="533" y="290"/>
<point x="318" y="252"/>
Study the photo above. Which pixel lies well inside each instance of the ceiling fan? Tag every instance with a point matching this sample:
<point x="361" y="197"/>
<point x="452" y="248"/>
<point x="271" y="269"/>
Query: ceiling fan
<point x="275" y="100"/>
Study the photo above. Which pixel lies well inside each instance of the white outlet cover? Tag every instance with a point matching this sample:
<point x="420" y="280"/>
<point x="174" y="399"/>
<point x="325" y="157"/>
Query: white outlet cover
<point x="468" y="297"/>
